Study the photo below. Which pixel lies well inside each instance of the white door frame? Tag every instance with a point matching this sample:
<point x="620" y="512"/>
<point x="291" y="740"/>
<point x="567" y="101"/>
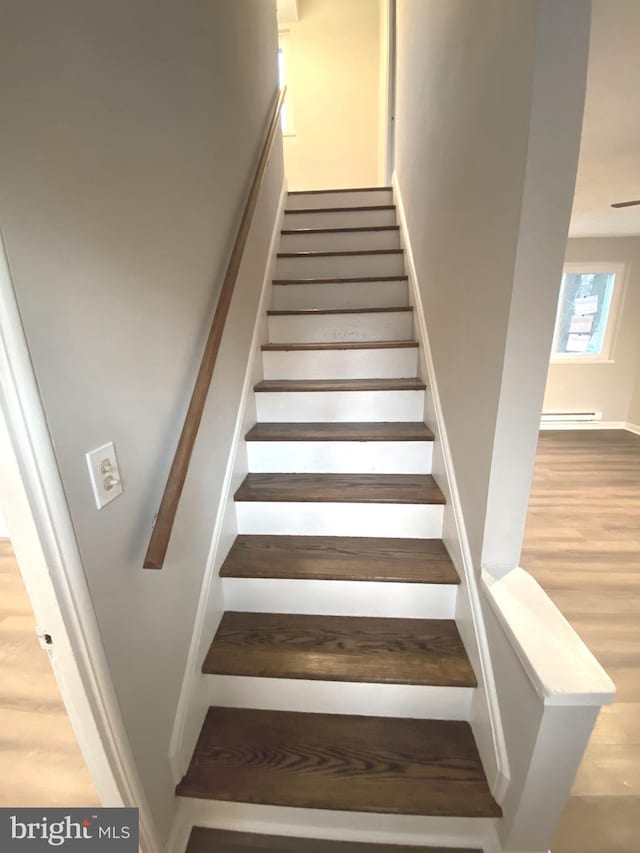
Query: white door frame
<point x="387" y="91"/>
<point x="42" y="534"/>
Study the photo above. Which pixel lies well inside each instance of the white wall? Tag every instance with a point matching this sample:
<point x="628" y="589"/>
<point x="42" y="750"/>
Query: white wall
<point x="124" y="158"/>
<point x="464" y="73"/>
<point x="487" y="180"/>
<point x="333" y="92"/>
<point x="561" y="56"/>
<point x="633" y="415"/>
<point x="488" y="116"/>
<point x="607" y="388"/>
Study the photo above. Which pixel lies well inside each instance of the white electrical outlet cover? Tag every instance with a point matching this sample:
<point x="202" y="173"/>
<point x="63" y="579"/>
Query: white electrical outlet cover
<point x="104" y="474"/>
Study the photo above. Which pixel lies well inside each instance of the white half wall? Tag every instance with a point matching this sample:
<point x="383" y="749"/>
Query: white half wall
<point x="121" y="186"/>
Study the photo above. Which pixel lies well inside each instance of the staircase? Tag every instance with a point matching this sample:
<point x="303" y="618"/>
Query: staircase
<point x="342" y="680"/>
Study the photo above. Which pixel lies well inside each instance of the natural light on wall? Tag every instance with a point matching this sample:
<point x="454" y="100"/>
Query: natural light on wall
<point x="590" y="298"/>
<point x="286" y="116"/>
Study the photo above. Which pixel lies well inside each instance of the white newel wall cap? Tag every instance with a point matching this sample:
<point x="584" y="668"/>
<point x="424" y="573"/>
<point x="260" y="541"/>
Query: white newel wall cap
<point x="560" y="666"/>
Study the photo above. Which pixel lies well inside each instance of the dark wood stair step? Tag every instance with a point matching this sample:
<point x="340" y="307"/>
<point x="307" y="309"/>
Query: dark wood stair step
<point x="350" y="229"/>
<point x="340" y="558"/>
<point x="286" y="385"/>
<point x="311" y="312"/>
<point x="342" y="253"/>
<point x="339" y="345"/>
<point x="340" y="648"/>
<point x="340" y="431"/>
<point x="337" y="761"/>
<point x="204" y="840"/>
<point x="341" y="488"/>
<point x="293" y="210"/>
<point x="358" y="279"/>
<point x="341" y="190"/>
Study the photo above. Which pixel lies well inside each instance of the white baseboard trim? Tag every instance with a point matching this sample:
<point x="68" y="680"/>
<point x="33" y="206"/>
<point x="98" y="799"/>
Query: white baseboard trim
<point x="492" y="746"/>
<point x="180" y="830"/>
<point x="180" y="748"/>
<point x="624" y="425"/>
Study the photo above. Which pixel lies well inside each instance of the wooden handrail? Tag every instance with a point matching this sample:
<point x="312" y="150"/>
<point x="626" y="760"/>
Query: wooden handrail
<point x="161" y="533"/>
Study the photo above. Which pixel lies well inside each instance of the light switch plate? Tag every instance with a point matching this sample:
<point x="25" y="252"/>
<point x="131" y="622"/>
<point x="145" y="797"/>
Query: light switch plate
<point x="104" y="474"/>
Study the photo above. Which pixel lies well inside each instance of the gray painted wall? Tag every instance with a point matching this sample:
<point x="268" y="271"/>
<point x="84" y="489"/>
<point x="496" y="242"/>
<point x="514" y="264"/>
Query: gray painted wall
<point x="464" y="75"/>
<point x="603" y="387"/>
<point x="489" y="107"/>
<point x="633" y="416"/>
<point x="130" y="131"/>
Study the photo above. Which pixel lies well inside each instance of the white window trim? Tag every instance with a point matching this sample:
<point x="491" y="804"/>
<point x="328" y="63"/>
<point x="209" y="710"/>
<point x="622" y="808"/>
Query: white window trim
<point x="613" y="320"/>
<point x="283" y="45"/>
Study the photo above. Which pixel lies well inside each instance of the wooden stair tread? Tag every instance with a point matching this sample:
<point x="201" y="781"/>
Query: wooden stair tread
<point x="339" y="345"/>
<point x="411" y="384"/>
<point x="340" y="431"/>
<point x="347" y="558"/>
<point x="361" y="279"/>
<point x="337" y="761"/>
<point x="328" y="253"/>
<point x="341" y="190"/>
<point x="204" y="840"/>
<point x="355" y="208"/>
<point x="341" y="488"/>
<point x="311" y="312"/>
<point x="340" y="648"/>
<point x="349" y="229"/>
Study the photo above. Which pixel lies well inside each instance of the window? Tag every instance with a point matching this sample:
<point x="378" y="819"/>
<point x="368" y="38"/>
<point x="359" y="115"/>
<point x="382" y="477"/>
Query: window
<point x="587" y="311"/>
<point x="286" y="117"/>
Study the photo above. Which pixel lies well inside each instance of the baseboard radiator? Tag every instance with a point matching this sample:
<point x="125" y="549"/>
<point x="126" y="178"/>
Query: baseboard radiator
<point x="569" y="417"/>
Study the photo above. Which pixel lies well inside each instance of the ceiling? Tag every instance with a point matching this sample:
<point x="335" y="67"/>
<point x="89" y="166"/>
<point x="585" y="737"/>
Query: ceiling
<point x="609" y="167"/>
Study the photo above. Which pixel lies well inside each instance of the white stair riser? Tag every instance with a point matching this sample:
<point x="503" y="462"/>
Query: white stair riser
<point x="280" y="518"/>
<point x="368" y="828"/>
<point x="401" y="363"/>
<point x="317" y="328"/>
<point x="340" y="457"/>
<point x="339" y="266"/>
<point x="341" y="598"/>
<point x="337" y="241"/>
<point x="350" y="294"/>
<point x="340" y="219"/>
<point x="332" y="697"/>
<point x="357" y="198"/>
<point x="321" y="406"/>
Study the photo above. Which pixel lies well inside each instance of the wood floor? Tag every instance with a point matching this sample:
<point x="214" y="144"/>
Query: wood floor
<point x="582" y="544"/>
<point x="40" y="762"/>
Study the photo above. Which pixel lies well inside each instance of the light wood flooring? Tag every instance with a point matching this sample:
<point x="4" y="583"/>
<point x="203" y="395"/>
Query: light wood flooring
<point x="582" y="544"/>
<point x="40" y="762"/>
